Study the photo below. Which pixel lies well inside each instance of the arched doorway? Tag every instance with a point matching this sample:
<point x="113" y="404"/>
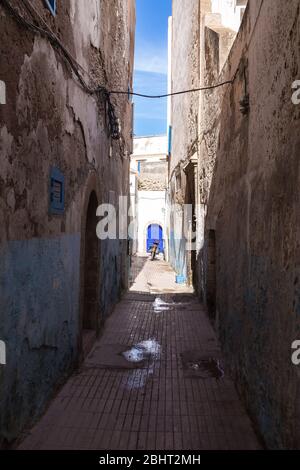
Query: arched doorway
<point x="155" y="233"/>
<point x="91" y="271"/>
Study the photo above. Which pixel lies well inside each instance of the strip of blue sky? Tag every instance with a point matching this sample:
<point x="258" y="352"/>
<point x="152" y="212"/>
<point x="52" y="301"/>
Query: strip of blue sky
<point x="151" y="65"/>
<point x="150" y="115"/>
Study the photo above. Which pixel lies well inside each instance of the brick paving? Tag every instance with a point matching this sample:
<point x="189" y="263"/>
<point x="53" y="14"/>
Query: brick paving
<point x="160" y="403"/>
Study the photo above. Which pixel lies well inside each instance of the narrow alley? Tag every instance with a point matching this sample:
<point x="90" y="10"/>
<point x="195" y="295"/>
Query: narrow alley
<point x="150" y="228"/>
<point x="154" y="380"/>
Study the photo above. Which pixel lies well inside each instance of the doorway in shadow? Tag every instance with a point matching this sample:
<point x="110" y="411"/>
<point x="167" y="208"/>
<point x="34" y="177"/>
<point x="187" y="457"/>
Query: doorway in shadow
<point x="191" y="235"/>
<point x="211" y="279"/>
<point x="91" y="276"/>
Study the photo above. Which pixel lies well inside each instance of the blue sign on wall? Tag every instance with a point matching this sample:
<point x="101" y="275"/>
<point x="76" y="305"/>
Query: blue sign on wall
<point x="57" y="192"/>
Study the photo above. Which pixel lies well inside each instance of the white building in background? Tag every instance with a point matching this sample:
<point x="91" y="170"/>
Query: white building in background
<point x="133" y="230"/>
<point x="149" y="176"/>
<point x="230" y="12"/>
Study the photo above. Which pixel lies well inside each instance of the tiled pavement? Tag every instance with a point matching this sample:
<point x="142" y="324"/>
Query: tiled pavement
<point x="176" y="398"/>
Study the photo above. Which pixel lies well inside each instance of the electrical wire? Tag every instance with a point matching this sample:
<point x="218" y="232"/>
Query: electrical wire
<point x="54" y="39"/>
<point x="100" y="91"/>
<point x="193" y="90"/>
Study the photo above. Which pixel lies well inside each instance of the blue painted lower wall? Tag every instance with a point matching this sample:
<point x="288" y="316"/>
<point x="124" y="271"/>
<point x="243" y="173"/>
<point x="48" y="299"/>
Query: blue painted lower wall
<point x="39" y="322"/>
<point x="177" y="254"/>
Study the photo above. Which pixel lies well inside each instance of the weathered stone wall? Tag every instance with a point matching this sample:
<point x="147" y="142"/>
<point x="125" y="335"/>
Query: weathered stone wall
<point x="153" y="175"/>
<point x="185" y="76"/>
<point x="49" y="120"/>
<point x="250" y="175"/>
<point x="185" y="73"/>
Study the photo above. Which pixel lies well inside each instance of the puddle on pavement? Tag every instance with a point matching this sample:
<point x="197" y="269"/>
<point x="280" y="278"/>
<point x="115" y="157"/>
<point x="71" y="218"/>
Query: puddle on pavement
<point x="160" y="305"/>
<point x="181" y="304"/>
<point x="207" y="368"/>
<point x="148" y="350"/>
<point x="138" y="378"/>
<point x="201" y="367"/>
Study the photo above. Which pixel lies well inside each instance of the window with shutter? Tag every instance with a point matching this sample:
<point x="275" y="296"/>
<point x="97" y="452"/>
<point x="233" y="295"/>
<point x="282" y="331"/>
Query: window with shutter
<point x="57" y="192"/>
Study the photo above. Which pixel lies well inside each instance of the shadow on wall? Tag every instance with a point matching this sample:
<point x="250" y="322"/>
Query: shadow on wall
<point x="91" y="273"/>
<point x="40" y="328"/>
<point x="91" y="267"/>
<point x="137" y="266"/>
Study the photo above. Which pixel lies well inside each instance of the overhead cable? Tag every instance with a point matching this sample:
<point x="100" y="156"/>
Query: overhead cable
<point x="77" y="69"/>
<point x="192" y="90"/>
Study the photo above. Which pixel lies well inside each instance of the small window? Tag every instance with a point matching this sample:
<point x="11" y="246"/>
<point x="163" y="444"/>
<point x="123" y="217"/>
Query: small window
<point x="57" y="192"/>
<point x="51" y="4"/>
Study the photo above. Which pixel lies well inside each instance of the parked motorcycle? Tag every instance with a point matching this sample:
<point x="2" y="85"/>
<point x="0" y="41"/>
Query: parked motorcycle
<point x="154" y="251"/>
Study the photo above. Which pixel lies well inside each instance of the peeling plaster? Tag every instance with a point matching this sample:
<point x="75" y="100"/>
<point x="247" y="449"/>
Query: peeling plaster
<point x="51" y="121"/>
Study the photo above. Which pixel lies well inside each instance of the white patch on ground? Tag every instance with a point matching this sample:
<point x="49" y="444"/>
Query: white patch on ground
<point x="149" y="349"/>
<point x="160" y="306"/>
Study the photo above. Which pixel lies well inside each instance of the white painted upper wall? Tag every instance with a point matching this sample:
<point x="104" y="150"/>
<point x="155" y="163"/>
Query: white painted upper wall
<point x="230" y="11"/>
<point x="86" y="22"/>
<point x="150" y="146"/>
